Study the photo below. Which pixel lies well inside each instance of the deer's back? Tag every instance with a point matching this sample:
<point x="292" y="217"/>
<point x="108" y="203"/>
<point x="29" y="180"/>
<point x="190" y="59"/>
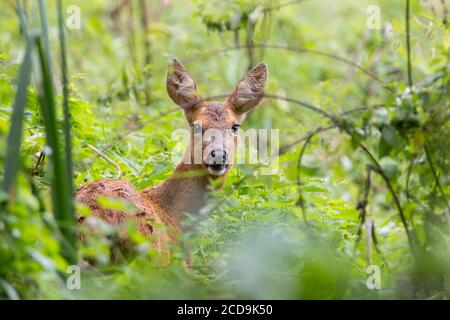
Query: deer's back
<point x="151" y="219"/>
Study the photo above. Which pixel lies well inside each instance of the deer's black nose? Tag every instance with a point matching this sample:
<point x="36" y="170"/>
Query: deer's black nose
<point x="218" y="156"/>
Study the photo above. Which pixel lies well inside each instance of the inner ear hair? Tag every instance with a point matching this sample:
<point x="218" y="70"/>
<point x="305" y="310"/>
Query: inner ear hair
<point x="250" y="90"/>
<point x="181" y="87"/>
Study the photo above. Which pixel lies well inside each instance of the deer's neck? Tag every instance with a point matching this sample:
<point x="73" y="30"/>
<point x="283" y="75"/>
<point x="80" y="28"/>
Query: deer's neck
<point x="186" y="191"/>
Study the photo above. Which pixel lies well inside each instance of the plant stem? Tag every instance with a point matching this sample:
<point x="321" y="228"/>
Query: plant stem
<point x="301" y="200"/>
<point x="362" y="208"/>
<point x="64" y="73"/>
<point x="408" y="45"/>
<point x="394" y="195"/>
<point x="435" y="176"/>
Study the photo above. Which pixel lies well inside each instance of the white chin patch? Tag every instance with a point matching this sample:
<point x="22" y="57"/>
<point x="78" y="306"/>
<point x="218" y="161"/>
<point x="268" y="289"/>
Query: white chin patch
<point x="217" y="171"/>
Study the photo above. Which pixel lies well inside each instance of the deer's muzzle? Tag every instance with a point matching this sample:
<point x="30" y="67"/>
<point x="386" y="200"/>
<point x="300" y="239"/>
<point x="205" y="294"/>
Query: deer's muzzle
<point x="217" y="161"/>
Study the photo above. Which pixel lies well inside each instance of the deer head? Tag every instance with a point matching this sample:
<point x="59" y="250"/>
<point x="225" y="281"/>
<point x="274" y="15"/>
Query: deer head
<point x="214" y="125"/>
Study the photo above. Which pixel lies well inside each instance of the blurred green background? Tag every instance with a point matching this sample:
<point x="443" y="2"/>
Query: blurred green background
<point x="311" y="230"/>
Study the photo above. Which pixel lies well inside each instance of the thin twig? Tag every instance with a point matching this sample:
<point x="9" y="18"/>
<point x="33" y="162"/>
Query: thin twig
<point x="307" y="105"/>
<point x="408" y="178"/>
<point x="377" y="249"/>
<point x="362" y="208"/>
<point x="295" y="49"/>
<point x="104" y="156"/>
<point x="301" y="200"/>
<point x="327" y="55"/>
<point x="40" y="160"/>
<point x="359" y="109"/>
<point x="289" y="146"/>
<point x="380" y="171"/>
<point x="436" y="178"/>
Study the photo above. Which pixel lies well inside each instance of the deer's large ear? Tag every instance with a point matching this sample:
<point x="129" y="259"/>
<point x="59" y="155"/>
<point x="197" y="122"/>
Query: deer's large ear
<point x="250" y="90"/>
<point x="181" y="86"/>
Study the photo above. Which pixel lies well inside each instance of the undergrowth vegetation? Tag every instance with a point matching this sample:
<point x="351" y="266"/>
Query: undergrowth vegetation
<point x="361" y="182"/>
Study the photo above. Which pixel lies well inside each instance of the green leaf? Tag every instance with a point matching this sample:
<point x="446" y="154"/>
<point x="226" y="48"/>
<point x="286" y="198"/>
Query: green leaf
<point x="389" y="140"/>
<point x="390" y="168"/>
<point x="390" y="135"/>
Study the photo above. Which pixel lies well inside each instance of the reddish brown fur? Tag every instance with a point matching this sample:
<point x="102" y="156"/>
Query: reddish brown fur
<point x="186" y="189"/>
<point x="149" y="215"/>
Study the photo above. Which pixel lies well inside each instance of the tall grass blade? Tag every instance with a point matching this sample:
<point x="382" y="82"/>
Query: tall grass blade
<point x="60" y="189"/>
<point x="44" y="31"/>
<point x="64" y="76"/>
<point x="61" y="195"/>
<point x="22" y="18"/>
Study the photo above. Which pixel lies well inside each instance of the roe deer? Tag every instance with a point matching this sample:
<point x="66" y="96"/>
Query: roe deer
<point x="186" y="189"/>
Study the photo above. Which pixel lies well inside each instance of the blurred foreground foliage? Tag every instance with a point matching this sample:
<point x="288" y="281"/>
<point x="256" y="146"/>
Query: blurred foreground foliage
<point x="371" y="189"/>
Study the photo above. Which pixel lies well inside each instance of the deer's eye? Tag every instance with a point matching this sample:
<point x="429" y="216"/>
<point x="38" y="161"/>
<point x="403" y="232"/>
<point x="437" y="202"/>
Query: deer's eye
<point x="235" y="128"/>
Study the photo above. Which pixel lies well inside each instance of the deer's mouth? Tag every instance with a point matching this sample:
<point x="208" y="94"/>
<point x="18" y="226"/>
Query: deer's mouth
<point x="217" y="169"/>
